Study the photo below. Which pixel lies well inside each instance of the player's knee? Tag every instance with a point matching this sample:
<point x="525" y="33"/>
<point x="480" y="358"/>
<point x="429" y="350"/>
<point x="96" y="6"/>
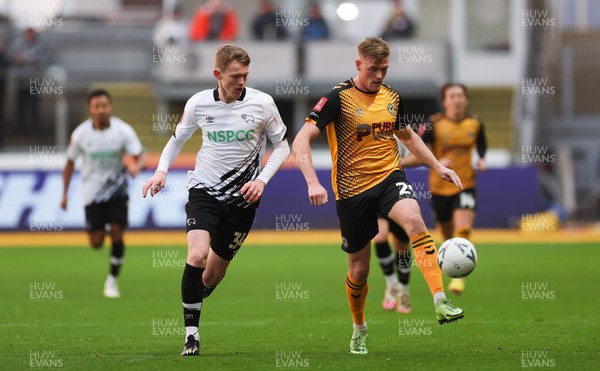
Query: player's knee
<point x="96" y="244"/>
<point x="414" y="224"/>
<point x="116" y="234"/>
<point x="96" y="241"/>
<point x="211" y="278"/>
<point x="359" y="271"/>
<point x="196" y="260"/>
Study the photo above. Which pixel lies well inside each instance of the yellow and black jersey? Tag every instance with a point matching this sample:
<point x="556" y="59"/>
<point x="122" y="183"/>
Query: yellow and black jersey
<point x="360" y="131"/>
<point x="455" y="140"/>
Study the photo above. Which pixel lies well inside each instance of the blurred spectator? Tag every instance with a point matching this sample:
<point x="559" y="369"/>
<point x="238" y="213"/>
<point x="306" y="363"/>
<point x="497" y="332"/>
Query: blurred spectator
<point x="317" y="28"/>
<point x="215" y="20"/>
<point x="28" y="58"/>
<point x="171" y="29"/>
<point x="264" y="26"/>
<point x="399" y="26"/>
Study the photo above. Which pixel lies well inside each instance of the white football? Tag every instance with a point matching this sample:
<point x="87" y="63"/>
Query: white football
<point x="457" y="257"/>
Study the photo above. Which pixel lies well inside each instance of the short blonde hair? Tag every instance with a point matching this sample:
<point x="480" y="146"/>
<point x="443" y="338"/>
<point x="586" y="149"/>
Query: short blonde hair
<point x="374" y="48"/>
<point x="230" y="53"/>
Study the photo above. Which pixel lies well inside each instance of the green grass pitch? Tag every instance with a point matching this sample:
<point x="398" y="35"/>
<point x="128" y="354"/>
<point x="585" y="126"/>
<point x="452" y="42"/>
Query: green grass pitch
<point x="279" y="307"/>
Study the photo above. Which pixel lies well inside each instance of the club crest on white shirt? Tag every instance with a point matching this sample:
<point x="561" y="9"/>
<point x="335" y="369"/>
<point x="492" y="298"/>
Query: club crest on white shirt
<point x="248" y="118"/>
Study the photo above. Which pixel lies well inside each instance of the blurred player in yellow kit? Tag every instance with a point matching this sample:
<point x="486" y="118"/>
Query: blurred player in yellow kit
<point x="452" y="138"/>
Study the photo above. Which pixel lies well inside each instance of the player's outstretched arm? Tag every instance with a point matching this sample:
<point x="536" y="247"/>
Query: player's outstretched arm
<point x="67" y="174"/>
<point x="416" y="147"/>
<point x="184" y="131"/>
<point x="410" y="161"/>
<point x="301" y="150"/>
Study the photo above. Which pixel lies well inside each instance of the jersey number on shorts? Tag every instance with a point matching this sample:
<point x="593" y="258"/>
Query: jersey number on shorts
<point x="467" y="201"/>
<point x="406" y="190"/>
<point x="238" y="240"/>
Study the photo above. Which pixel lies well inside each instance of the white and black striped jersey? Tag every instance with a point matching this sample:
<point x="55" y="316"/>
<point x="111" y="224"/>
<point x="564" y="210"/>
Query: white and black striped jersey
<point x="102" y="171"/>
<point x="234" y="139"/>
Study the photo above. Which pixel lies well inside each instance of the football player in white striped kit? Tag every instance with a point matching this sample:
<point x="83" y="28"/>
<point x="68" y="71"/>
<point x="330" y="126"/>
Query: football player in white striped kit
<point x="227" y="181"/>
<point x="102" y="142"/>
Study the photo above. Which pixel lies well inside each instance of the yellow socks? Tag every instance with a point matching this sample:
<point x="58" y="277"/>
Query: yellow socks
<point x="425" y="255"/>
<point x="357" y="295"/>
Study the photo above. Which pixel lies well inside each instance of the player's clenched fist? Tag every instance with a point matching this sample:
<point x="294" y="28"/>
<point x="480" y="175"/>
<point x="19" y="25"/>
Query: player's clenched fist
<point x="317" y="194"/>
<point x="252" y="191"/>
<point x="155" y="184"/>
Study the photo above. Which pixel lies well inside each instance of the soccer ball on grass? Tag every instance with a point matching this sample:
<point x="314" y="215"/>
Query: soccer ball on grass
<point x="457" y="257"/>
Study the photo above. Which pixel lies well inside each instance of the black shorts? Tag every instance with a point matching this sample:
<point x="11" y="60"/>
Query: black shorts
<point x="444" y="206"/>
<point x="227" y="225"/>
<point x="98" y="214"/>
<point x="357" y="215"/>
